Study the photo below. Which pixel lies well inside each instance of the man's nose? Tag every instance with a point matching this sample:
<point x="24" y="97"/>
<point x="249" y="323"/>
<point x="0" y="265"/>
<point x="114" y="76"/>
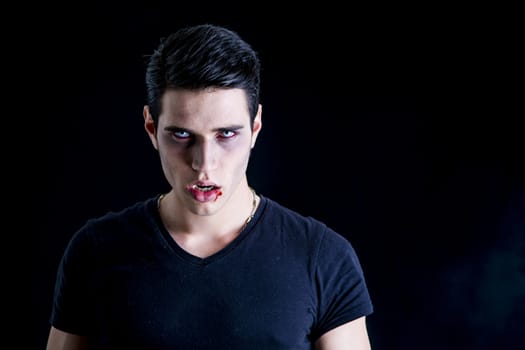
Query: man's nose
<point x="204" y="156"/>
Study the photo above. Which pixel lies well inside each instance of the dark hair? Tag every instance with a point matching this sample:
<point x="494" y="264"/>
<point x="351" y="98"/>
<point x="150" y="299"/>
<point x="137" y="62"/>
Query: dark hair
<point x="203" y="56"/>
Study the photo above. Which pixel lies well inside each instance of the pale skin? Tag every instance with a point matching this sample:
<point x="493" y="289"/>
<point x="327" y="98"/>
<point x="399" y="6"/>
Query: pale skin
<point x="205" y="138"/>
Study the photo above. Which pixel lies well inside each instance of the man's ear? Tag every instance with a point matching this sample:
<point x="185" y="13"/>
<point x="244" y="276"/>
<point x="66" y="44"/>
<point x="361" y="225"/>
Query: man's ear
<point x="257" y="125"/>
<point x="149" y="125"/>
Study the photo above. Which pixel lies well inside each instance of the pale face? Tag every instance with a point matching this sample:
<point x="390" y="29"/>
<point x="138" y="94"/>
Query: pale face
<point x="204" y="140"/>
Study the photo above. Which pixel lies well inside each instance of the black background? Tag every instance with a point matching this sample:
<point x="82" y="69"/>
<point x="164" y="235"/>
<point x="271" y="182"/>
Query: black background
<point x="398" y="127"/>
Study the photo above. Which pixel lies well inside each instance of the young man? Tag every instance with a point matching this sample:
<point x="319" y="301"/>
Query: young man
<point x="211" y="264"/>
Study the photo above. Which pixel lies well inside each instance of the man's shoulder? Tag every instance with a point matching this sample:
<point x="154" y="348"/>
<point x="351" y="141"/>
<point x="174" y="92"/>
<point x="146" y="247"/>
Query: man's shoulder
<point x="134" y="215"/>
<point x="104" y="235"/>
<point x="284" y="216"/>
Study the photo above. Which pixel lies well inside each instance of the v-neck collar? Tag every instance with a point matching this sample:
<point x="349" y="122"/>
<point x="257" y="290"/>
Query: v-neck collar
<point x="193" y="259"/>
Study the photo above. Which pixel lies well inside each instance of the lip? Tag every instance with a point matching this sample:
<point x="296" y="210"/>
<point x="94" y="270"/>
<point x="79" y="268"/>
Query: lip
<point x="201" y="195"/>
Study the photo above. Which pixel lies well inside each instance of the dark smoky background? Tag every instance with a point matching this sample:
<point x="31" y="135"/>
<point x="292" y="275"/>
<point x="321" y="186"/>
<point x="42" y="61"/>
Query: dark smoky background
<point x="398" y="127"/>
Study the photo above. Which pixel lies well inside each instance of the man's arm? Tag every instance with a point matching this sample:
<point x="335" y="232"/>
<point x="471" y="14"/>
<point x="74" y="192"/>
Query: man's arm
<point x="349" y="336"/>
<point x="60" y="340"/>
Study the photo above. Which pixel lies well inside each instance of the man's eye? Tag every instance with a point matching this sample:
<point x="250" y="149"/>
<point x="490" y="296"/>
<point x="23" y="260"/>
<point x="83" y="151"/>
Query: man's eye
<point x="227" y="134"/>
<point x="181" y="134"/>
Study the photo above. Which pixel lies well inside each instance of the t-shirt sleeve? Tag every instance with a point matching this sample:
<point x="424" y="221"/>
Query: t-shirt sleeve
<point x="71" y="308"/>
<point x="340" y="284"/>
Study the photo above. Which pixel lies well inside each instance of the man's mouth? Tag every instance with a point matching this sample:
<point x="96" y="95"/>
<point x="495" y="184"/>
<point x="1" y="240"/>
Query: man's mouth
<point x="205" y="192"/>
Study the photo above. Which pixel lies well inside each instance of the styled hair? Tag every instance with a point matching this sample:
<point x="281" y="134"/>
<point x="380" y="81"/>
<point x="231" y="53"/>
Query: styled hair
<point x="199" y="57"/>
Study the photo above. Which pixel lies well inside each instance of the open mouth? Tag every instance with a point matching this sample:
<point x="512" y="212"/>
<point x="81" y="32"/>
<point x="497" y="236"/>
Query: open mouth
<point x="205" y="193"/>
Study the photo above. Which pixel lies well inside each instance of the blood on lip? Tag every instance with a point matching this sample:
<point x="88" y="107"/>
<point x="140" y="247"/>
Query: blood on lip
<point x="204" y="196"/>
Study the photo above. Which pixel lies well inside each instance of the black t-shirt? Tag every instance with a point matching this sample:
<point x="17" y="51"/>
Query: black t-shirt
<point x="282" y="283"/>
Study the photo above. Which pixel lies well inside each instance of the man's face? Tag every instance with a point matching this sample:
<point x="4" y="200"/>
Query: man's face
<point x="204" y="141"/>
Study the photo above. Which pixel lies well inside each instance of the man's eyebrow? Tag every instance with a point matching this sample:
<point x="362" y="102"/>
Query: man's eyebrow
<point x="234" y="127"/>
